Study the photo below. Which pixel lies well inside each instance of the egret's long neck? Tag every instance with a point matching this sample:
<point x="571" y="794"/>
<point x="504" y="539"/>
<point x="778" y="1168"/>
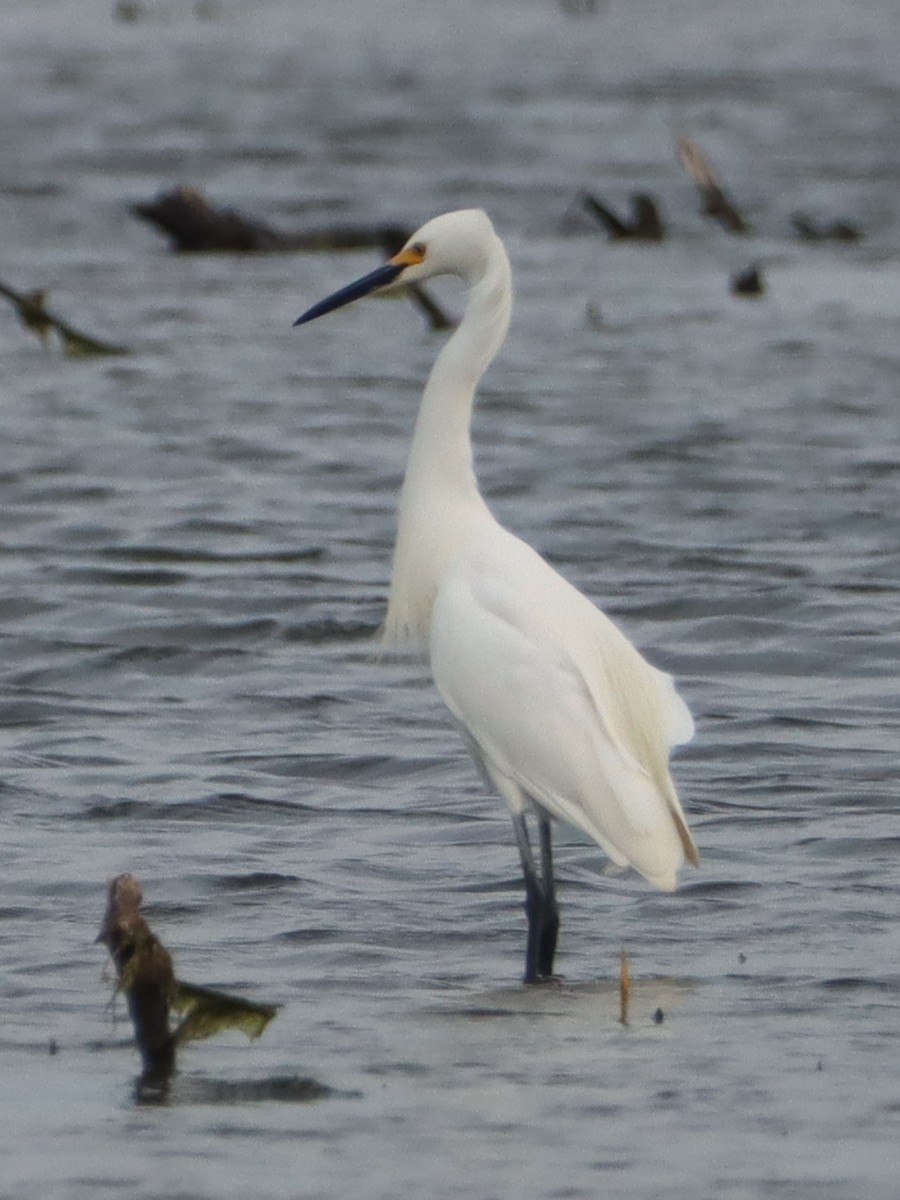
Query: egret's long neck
<point x="440" y="500"/>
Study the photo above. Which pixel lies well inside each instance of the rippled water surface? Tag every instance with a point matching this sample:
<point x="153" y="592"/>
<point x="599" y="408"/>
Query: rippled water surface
<point x="195" y="549"/>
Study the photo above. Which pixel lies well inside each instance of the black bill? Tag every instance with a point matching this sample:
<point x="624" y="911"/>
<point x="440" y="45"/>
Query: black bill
<point x="378" y="278"/>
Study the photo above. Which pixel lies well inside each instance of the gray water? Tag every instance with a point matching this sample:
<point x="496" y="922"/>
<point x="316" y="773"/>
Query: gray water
<point x="195" y="553"/>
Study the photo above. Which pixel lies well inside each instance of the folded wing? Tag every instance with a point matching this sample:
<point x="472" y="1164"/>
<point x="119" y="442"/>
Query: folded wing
<point x="557" y="705"/>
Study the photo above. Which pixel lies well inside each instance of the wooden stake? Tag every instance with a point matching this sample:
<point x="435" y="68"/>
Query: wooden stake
<point x="624" y="987"/>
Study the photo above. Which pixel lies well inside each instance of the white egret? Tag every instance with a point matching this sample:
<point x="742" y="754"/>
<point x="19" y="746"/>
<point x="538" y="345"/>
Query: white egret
<point x="560" y="712"/>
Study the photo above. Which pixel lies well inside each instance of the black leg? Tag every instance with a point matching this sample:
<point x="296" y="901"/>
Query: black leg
<point x="533" y="899"/>
<point x="550" y="913"/>
<point x="534" y="907"/>
<point x="540" y="902"/>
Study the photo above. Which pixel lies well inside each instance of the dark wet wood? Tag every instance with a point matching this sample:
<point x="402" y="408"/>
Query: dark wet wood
<point x="152" y="992"/>
<point x="748" y="282"/>
<point x="145" y="973"/>
<point x="717" y="204"/>
<point x="824" y="231"/>
<point x="644" y="224"/>
<point x="32" y="310"/>
<point x="195" y="226"/>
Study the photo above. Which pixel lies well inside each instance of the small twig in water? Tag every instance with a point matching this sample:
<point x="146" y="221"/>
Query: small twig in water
<point x="34" y="315"/>
<point x="716" y="203"/>
<point x="624" y="987"/>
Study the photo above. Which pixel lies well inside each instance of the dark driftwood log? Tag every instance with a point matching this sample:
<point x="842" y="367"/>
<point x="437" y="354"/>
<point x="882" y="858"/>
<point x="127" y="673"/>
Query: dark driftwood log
<point x="145" y="973"/>
<point x="825" y="231"/>
<point x="645" y="223"/>
<point x="194" y="226"/>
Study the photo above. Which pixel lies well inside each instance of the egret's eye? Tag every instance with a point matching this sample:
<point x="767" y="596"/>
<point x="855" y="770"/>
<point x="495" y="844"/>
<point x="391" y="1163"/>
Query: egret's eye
<point x="411" y="255"/>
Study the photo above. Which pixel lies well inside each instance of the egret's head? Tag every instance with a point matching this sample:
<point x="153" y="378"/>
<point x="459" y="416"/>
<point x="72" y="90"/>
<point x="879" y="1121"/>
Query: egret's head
<point x="456" y="243"/>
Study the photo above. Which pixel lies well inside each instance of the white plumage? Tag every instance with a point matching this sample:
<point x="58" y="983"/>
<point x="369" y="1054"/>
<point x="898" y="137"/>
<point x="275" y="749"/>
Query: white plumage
<point x="560" y="711"/>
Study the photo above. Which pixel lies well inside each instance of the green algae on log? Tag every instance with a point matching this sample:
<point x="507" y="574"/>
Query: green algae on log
<point x="152" y="992"/>
<point x="34" y="315"/>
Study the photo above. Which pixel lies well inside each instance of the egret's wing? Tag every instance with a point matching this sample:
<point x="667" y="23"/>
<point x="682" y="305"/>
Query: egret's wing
<point x="560" y="704"/>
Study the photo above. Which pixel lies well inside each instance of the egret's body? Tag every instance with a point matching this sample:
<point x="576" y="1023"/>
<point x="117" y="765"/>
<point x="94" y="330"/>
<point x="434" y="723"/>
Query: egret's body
<point x="560" y="712"/>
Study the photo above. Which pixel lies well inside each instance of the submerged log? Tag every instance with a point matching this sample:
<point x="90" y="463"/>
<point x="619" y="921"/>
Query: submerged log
<point x="194" y="226"/>
<point x="644" y="224"/>
<point x="748" y="282"/>
<point x="824" y="231"/>
<point x="152" y="992"/>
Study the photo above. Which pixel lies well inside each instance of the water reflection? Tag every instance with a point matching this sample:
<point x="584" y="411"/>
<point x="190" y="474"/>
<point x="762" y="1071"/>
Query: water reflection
<point x="153" y="1089"/>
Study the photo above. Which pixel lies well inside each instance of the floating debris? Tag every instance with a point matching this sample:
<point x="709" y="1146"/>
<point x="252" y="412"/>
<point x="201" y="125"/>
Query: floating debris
<point x="645" y="223"/>
<point x="194" y="226"/>
<point x="583" y="8"/>
<point x="748" y="282"/>
<point x="205" y="1012"/>
<point x="147" y="978"/>
<point x="716" y="203"/>
<point x="824" y="231"/>
<point x="34" y="315"/>
<point x="127" y="10"/>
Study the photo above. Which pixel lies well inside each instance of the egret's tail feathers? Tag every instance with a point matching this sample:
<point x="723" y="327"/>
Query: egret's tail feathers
<point x="665" y="877"/>
<point x="665" y="883"/>
<point x="691" y="853"/>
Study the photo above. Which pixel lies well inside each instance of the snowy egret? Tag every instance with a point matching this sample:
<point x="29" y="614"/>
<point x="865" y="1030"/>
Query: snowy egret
<point x="560" y="712"/>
